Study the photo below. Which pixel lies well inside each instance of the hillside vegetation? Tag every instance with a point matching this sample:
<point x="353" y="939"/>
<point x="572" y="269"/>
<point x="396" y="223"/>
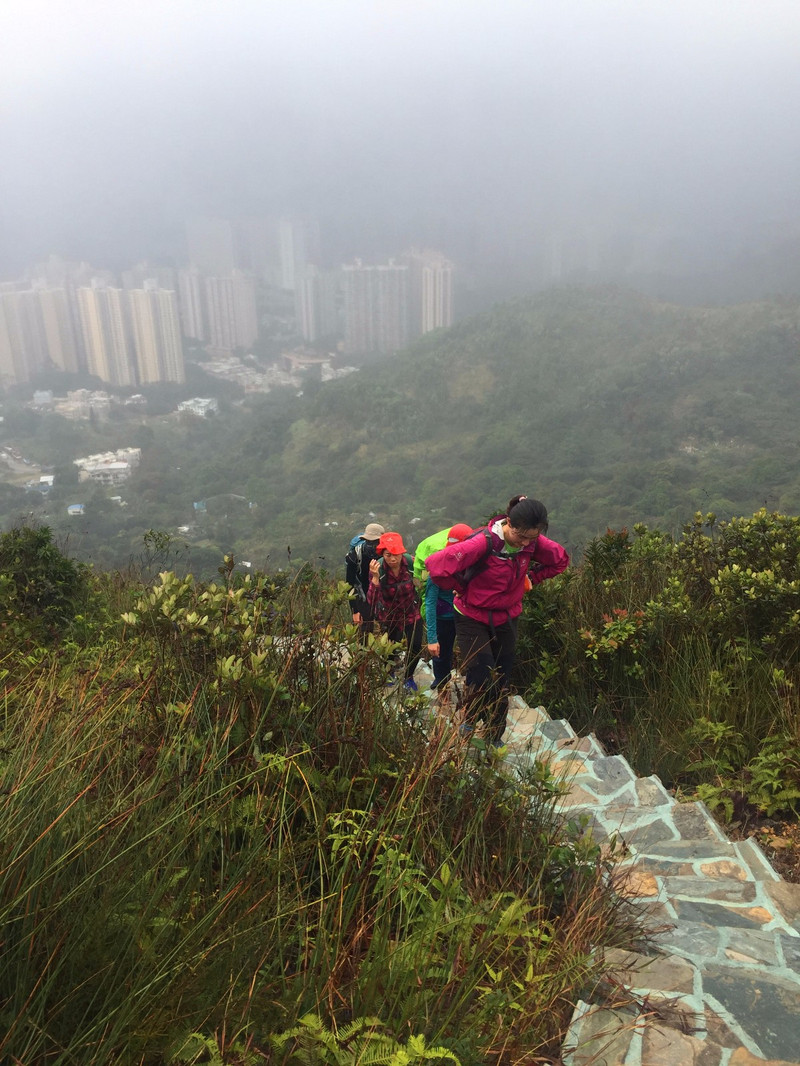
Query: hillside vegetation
<point x="220" y="843"/>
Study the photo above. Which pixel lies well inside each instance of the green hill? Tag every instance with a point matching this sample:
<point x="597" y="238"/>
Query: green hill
<point x="611" y="407"/>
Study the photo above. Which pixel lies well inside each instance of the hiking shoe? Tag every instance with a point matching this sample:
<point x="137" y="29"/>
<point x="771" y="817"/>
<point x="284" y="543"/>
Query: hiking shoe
<point x="410" y="684"/>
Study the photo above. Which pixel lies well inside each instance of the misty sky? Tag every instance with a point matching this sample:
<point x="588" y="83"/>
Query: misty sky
<point x="119" y="120"/>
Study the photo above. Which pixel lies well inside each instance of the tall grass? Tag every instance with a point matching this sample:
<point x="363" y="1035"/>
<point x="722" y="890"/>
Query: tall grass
<point x="213" y="826"/>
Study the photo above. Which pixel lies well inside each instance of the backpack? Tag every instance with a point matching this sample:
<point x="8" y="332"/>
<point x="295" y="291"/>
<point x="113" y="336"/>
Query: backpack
<point x="458" y="581"/>
<point x="353" y="561"/>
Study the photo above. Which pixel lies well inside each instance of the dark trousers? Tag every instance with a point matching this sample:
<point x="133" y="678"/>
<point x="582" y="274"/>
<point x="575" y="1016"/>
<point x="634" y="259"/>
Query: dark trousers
<point x="487" y="657"/>
<point x="443" y="663"/>
<point x="411" y="634"/>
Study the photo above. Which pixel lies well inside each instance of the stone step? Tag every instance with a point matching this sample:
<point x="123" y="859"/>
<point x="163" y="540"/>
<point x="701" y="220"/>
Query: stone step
<point x="721" y="983"/>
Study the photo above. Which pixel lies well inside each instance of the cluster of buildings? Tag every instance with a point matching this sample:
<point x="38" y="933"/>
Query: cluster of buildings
<point x="68" y="318"/>
<point x="377" y="308"/>
<point x="86" y="403"/>
<point x="128" y="330"/>
<point x="109" y="468"/>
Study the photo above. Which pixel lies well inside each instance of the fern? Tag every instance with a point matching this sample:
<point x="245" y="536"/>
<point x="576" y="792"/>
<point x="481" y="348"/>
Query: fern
<point x="360" y="1042"/>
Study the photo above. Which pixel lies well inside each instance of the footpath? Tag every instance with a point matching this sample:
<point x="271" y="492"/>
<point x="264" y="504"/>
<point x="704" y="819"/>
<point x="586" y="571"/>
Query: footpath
<point x="719" y="981"/>
<point x="720" y="985"/>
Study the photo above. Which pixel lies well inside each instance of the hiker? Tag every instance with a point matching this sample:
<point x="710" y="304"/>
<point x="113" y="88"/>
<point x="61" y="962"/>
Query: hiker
<point x="488" y="604"/>
<point x="438" y="613"/>
<point x="357" y="560"/>
<point x="392" y="597"/>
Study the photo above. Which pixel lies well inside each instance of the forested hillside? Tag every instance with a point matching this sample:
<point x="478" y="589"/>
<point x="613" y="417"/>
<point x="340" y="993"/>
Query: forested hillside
<point x="611" y="407"/>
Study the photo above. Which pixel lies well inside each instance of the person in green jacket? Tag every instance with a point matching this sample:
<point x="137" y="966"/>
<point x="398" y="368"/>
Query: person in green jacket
<point x="439" y="614"/>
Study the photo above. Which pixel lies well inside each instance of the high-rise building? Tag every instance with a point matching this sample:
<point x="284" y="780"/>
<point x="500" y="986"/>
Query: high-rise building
<point x="315" y="304"/>
<point x="58" y="328"/>
<point x="245" y="309"/>
<point x="191" y="301"/>
<point x="231" y="312"/>
<point x="298" y="242"/>
<point x="375" y="307"/>
<point x="23" y="341"/>
<point x="430" y="291"/>
<point x="156" y="335"/>
<point x="12" y="367"/>
<point x="106" y="333"/>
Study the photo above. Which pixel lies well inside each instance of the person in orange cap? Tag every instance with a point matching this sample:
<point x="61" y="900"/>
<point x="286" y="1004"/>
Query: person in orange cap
<point x="393" y="600"/>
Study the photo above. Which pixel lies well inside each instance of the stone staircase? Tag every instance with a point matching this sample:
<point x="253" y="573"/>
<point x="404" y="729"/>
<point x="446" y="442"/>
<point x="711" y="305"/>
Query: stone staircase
<point x="719" y="984"/>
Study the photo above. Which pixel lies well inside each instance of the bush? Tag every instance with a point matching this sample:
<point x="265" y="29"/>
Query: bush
<point x="41" y="589"/>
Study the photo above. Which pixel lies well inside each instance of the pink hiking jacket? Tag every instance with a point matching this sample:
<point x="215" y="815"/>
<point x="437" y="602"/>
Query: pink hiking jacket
<point x="495" y="594"/>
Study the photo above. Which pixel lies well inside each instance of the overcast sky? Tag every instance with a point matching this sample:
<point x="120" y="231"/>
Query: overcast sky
<point x="121" y="119"/>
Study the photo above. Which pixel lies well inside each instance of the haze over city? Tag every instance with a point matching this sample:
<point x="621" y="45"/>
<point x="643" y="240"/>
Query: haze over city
<point x="512" y="136"/>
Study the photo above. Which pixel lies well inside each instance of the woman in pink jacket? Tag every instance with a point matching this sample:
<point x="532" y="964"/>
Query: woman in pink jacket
<point x="489" y="603"/>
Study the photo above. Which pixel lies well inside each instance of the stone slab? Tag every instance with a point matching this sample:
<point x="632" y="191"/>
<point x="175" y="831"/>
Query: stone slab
<point x="693" y="850"/>
<point x="602" y="1037"/>
<point x="713" y="890"/>
<point x="724" y="868"/>
<point x="645" y="835"/>
<point x="694" y="940"/>
<point x="694" y="821"/>
<point x="613" y="770"/>
<point x="651" y="793"/>
<point x="756" y="860"/>
<point x="663" y="972"/>
<point x="786" y="898"/>
<point x="791" y="954"/>
<point x="663" y="867"/>
<point x="557" y="730"/>
<point x="757" y="946"/>
<point x="720" y="915"/>
<point x="767" y="1008"/>
<point x="666" y="1047"/>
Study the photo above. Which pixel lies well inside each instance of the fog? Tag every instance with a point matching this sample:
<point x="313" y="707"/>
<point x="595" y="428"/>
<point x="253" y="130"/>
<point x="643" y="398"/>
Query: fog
<point x="490" y="129"/>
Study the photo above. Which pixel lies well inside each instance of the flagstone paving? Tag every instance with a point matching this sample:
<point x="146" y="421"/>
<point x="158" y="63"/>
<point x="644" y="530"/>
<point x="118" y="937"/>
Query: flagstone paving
<point x="719" y="981"/>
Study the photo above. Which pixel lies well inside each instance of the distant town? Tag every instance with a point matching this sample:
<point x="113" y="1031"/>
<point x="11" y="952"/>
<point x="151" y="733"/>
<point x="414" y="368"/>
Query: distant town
<point x="253" y="302"/>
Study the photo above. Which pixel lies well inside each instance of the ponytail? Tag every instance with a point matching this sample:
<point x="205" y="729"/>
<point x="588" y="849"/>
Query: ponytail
<point x="527" y="514"/>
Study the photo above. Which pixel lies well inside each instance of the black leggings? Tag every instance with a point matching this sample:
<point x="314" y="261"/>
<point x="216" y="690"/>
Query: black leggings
<point x="442" y="666"/>
<point x="487" y="656"/>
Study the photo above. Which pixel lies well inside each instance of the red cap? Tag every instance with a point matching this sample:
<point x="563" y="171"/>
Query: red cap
<point x="391" y="543"/>
<point x="458" y="532"/>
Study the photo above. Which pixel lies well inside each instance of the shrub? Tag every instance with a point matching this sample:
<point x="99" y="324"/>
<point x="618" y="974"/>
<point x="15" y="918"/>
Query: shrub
<point x="41" y="589"/>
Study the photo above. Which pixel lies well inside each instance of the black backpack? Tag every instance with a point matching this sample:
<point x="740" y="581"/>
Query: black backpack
<point x="458" y="581"/>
